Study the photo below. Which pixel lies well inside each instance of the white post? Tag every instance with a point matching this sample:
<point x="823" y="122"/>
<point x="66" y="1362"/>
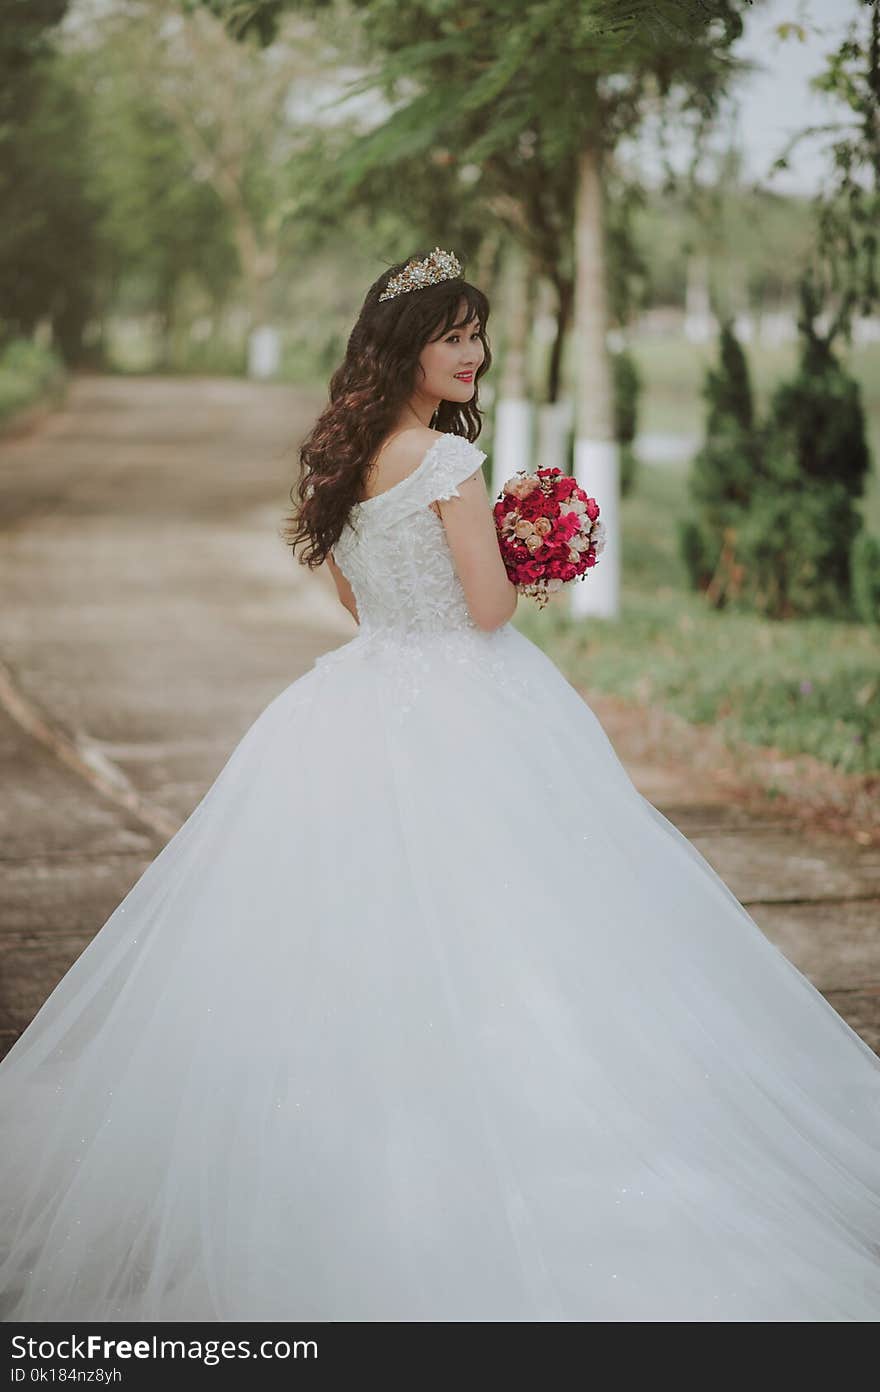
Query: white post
<point x="512" y="445"/>
<point x="596" y="453"/>
<point x="698" y="322"/>
<point x="264" y="352"/>
<point x="555" y="420"/>
<point x="597" y="470"/>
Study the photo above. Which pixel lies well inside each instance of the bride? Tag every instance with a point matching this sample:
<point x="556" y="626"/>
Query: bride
<point x="426" y="1013"/>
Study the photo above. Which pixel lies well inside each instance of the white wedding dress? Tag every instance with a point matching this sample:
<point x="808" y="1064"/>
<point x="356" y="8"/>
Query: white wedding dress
<point x="427" y="1014"/>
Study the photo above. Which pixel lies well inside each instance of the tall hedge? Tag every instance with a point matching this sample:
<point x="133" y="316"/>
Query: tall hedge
<point x="776" y="502"/>
<point x="724" y="475"/>
<point x="804" y="520"/>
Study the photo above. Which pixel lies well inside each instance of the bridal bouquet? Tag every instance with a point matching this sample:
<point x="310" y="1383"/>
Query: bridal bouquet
<point x="548" y="531"/>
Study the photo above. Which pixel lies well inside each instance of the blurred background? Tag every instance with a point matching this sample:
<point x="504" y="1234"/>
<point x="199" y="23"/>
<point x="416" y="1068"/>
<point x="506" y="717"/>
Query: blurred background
<point x="674" y="208"/>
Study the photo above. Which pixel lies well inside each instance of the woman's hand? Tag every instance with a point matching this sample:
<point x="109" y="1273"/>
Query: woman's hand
<point x="343" y="589"/>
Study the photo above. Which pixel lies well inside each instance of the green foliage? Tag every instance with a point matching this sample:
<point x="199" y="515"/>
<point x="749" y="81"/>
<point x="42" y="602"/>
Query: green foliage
<point x="49" y="241"/>
<point x="776" y="502"/>
<point x="698" y="554"/>
<point x="26" y="34"/>
<point x="246" y="19"/>
<point x="47" y="232"/>
<point x="627" y="384"/>
<point x="198" y="167"/>
<point x="794" y="548"/>
<point x="28" y="373"/>
<point x="817" y="420"/>
<point x="507" y="94"/>
<point x="162" y="230"/>
<point x="725" y="469"/>
<point x="848" y="205"/>
<point x="865" y="562"/>
<point x="797" y="546"/>
<point x="724" y="475"/>
<point x="728" y="389"/>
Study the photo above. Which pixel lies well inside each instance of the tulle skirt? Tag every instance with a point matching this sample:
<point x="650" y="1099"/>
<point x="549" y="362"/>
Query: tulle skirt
<point x="427" y="1014"/>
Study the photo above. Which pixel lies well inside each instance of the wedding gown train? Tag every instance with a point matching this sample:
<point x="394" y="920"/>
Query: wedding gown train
<point x="427" y="1014"/>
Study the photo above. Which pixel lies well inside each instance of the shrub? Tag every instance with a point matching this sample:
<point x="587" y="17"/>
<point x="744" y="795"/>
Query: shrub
<point x="804" y="519"/>
<point x="776" y="502"/>
<point x="724" y="475"/>
<point x="793" y="547"/>
<point x="27" y="373"/>
<point x="693" y="548"/>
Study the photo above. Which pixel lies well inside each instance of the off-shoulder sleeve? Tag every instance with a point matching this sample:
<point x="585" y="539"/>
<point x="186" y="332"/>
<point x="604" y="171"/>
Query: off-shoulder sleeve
<point x="450" y="461"/>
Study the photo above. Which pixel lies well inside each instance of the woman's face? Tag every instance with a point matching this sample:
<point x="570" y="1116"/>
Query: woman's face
<point x="450" y="363"/>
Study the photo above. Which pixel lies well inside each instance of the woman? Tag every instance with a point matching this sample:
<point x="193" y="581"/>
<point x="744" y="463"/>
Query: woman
<point x="425" y="1012"/>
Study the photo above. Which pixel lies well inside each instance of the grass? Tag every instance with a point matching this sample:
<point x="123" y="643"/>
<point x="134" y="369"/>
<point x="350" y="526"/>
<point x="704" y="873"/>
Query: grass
<point x="809" y="686"/>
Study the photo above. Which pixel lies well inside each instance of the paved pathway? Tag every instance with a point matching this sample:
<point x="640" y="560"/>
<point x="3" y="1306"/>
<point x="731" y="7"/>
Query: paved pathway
<point x="151" y="612"/>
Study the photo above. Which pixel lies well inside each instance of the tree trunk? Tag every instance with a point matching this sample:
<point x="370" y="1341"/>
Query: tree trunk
<point x="555" y="414"/>
<point x="699" y="325"/>
<point x="513" y="413"/>
<point x="258" y="266"/>
<point x="564" y="303"/>
<point x="596" y="453"/>
<point x="486" y="263"/>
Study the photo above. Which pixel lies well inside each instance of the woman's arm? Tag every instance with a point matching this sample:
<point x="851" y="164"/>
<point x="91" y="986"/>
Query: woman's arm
<point x="470" y="531"/>
<point x="490" y="595"/>
<point x="343" y="589"/>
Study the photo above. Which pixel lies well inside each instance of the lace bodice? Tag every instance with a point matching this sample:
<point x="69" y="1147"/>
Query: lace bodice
<point x="394" y="554"/>
<point x="414" y="619"/>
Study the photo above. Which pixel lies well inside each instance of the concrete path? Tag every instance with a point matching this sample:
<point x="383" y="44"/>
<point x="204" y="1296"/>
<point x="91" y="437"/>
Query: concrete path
<point x="150" y="613"/>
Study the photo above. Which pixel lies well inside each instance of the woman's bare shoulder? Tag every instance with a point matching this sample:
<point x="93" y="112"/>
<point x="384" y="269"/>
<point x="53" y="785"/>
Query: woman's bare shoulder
<point x="399" y="456"/>
<point x="411" y="444"/>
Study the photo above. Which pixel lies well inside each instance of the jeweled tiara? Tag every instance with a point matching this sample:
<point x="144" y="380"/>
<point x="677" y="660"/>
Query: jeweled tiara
<point x="439" y="265"/>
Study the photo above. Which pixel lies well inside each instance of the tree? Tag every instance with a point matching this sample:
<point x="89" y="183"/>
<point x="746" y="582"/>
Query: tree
<point x="844" y="271"/>
<point x="777" y="518"/>
<point x="228" y="98"/>
<point x="27" y="32"/>
<point x="804" y="520"/>
<point x="163" y="232"/>
<point x="536" y="97"/>
<point x="48" y="233"/>
<point x="724" y="474"/>
<point x="800" y="544"/>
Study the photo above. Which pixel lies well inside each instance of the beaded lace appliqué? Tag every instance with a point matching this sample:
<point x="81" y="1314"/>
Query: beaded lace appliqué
<point x="411" y="604"/>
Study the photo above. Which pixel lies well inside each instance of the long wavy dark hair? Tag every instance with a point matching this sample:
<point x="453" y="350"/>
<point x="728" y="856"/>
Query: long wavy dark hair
<point x="367" y="393"/>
